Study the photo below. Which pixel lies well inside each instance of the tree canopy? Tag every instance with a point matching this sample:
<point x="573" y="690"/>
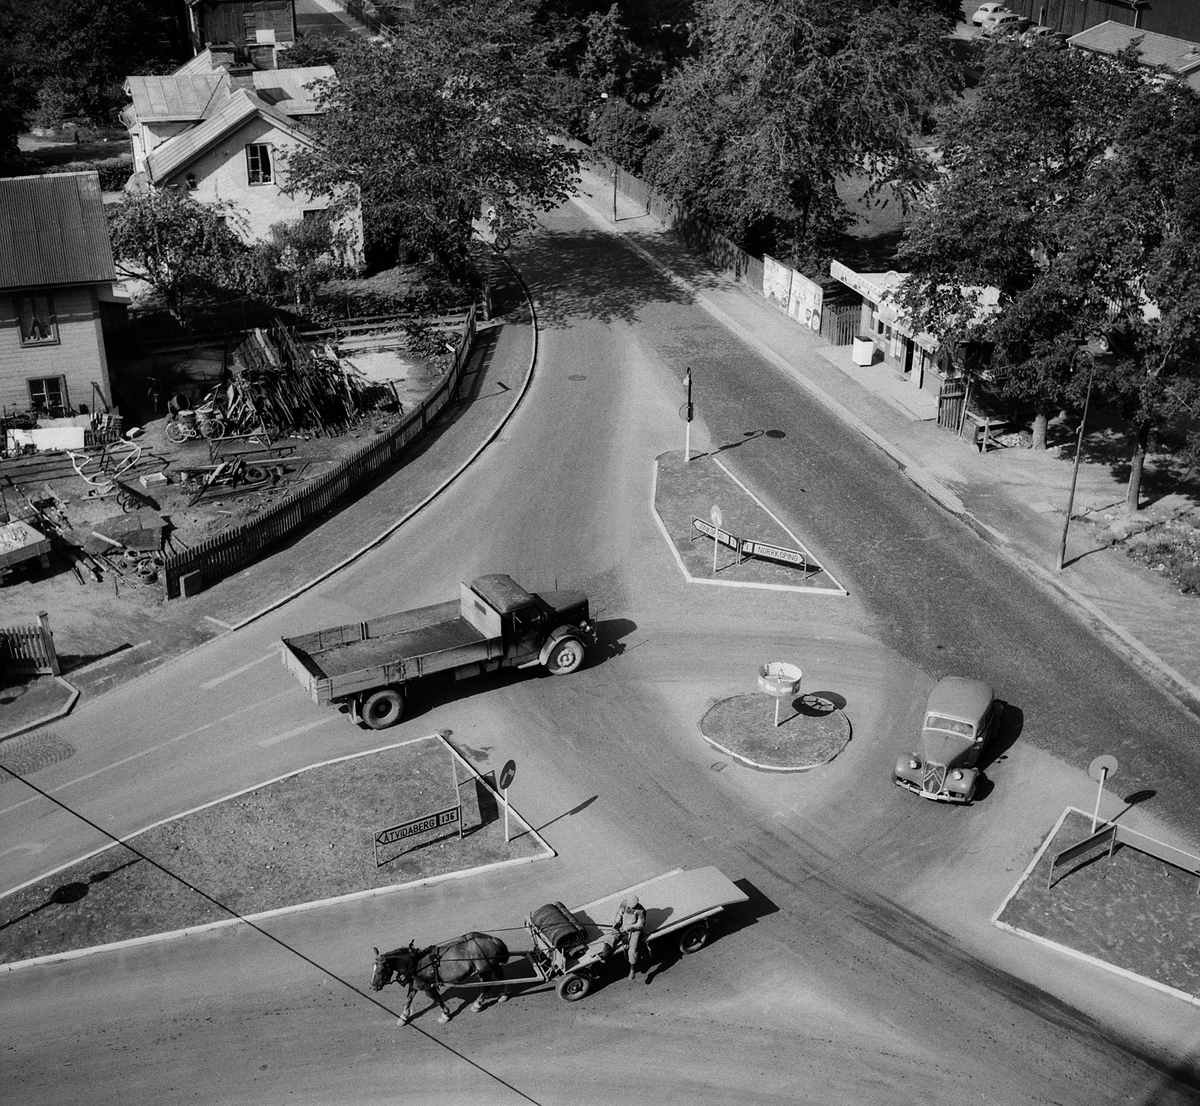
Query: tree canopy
<point x="783" y="98"/>
<point x="446" y="127"/>
<point x="1014" y="175"/>
<point x="1069" y="185"/>
<point x="181" y="248"/>
<point x="68" y="59"/>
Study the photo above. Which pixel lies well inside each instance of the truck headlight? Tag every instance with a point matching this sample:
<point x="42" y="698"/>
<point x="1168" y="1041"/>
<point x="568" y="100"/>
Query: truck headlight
<point x="913" y="763"/>
<point x="956" y="774"/>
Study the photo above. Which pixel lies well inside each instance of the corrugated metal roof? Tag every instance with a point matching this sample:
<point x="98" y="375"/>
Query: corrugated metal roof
<point x="178" y="152"/>
<point x="176" y="98"/>
<point x="1177" y="54"/>
<point x="53" y="231"/>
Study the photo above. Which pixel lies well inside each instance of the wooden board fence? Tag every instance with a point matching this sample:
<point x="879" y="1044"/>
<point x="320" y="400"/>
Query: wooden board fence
<point x="28" y="649"/>
<point x="233" y="549"/>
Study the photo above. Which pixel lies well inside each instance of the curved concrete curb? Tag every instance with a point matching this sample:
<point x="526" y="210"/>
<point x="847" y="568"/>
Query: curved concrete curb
<point x="843" y="721"/>
<point x="381" y="538"/>
<point x="282" y="911"/>
<point x="61" y="712"/>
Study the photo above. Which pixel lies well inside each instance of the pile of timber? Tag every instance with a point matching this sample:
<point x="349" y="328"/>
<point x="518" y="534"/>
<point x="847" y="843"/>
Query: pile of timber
<point x="289" y="386"/>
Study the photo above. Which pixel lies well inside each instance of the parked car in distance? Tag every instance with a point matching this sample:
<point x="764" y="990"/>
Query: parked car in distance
<point x="961" y="715"/>
<point x="1044" y="36"/>
<point x="1002" y="23"/>
<point x="985" y="10"/>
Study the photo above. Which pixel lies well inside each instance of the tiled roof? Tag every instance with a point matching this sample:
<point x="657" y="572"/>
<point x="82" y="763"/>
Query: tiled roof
<point x="177" y="152"/>
<point x="53" y="231"/>
<point x="187" y="98"/>
<point x="1177" y="54"/>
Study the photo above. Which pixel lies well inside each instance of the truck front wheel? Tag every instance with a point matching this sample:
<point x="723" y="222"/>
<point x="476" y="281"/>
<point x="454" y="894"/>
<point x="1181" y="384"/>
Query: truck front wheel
<point x="383" y="708"/>
<point x="566" y="656"/>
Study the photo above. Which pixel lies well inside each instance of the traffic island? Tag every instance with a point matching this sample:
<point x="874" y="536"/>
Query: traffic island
<point x="721" y="533"/>
<point x="402" y="815"/>
<point x="812" y="730"/>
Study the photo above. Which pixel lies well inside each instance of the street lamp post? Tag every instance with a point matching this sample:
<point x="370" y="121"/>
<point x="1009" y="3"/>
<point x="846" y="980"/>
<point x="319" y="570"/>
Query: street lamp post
<point x="1062" y="549"/>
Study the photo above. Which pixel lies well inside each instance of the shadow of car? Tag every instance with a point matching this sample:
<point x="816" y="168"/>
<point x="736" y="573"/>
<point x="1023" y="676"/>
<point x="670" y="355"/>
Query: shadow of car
<point x="961" y="714"/>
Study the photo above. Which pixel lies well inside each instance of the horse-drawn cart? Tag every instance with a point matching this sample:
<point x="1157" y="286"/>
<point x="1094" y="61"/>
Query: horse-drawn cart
<point x="571" y="948"/>
<point x="576" y="947"/>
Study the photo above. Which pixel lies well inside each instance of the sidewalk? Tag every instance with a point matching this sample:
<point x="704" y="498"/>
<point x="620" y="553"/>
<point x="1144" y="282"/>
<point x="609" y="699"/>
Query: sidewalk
<point x="1017" y="497"/>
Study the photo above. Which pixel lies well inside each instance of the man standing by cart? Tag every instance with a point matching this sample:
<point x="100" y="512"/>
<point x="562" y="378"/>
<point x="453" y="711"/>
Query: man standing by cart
<point x="631" y="920"/>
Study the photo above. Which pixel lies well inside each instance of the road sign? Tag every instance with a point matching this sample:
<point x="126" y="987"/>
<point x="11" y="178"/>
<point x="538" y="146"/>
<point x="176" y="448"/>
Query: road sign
<point x="1103" y="767"/>
<point x="506" y="774"/>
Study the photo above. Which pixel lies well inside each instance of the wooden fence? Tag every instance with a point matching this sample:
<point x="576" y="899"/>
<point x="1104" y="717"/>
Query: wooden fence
<point x="231" y="550"/>
<point x="28" y="649"/>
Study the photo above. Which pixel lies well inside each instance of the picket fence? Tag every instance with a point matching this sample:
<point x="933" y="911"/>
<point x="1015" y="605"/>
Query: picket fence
<point x="28" y="649"/>
<point x="231" y="550"/>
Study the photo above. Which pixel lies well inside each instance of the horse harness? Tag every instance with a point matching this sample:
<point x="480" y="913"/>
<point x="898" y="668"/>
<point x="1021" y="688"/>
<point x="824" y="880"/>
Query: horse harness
<point x="415" y="956"/>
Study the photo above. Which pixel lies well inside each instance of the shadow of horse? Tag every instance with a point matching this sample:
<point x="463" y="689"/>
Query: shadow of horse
<point x="447" y="964"/>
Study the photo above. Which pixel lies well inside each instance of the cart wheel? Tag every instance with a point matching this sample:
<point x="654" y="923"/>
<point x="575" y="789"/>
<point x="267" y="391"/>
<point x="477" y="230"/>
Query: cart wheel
<point x="383" y="708"/>
<point x="694" y="939"/>
<point x="566" y="656"/>
<point x="175" y="431"/>
<point x="573" y="987"/>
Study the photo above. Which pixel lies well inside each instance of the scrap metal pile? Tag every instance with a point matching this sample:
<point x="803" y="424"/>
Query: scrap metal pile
<point x="280" y="384"/>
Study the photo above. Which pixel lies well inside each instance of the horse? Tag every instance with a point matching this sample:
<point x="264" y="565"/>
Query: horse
<point x="445" y="964"/>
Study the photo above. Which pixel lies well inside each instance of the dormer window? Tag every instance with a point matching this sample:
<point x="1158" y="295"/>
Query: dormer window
<point x="258" y="164"/>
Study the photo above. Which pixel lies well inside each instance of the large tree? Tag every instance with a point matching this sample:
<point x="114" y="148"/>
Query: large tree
<point x="1138" y="244"/>
<point x="784" y="98"/>
<point x="182" y="249"/>
<point x="443" y="128"/>
<point x="1015" y="171"/>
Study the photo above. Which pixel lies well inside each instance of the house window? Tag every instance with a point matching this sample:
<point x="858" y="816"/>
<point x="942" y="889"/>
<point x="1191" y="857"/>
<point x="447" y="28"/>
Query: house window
<point x="311" y="213"/>
<point x="36" y="316"/>
<point x="258" y="163"/>
<point x="49" y="395"/>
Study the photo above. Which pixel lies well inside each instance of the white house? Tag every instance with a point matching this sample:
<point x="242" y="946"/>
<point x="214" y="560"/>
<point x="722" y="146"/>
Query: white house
<point x="224" y="132"/>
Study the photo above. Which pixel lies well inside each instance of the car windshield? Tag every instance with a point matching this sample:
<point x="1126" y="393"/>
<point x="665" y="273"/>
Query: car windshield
<point x="951" y="725"/>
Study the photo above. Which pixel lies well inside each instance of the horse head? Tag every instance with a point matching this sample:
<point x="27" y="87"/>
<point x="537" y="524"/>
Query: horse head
<point x="389" y="967"/>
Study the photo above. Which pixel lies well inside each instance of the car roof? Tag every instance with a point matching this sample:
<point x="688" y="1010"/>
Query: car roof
<point x="960" y="697"/>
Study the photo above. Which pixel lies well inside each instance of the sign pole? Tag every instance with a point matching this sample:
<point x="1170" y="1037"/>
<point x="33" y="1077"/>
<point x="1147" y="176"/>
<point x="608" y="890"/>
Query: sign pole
<point x="506" y="777"/>
<point x="687" y="434"/>
<point x="1100" y="769"/>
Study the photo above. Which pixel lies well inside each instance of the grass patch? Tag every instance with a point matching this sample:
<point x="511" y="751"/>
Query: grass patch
<point x="1172" y="549"/>
<point x="307" y="837"/>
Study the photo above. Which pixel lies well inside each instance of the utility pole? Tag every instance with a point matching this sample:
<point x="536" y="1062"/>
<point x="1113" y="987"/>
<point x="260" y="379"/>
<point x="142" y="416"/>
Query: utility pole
<point x="1062" y="549"/>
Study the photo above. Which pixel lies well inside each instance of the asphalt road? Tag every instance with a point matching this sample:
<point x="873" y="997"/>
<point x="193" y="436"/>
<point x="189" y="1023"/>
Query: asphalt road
<point x="855" y="975"/>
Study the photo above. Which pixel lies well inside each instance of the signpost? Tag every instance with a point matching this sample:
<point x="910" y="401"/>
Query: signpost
<point x="686" y="413"/>
<point x="506" y="777"/>
<point x="448" y="817"/>
<point x="715" y="515"/>
<point x="1100" y="769"/>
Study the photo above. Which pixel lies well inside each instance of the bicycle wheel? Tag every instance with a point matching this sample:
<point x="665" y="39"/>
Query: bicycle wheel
<point x="213" y="427"/>
<point x="176" y="432"/>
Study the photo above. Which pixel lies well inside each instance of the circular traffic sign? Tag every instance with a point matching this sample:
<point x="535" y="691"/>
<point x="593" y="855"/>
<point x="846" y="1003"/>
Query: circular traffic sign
<point x="1104" y="767"/>
<point x="506" y="774"/>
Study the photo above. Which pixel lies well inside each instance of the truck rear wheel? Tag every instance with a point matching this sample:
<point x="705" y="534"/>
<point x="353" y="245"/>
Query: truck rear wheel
<point x="565" y="656"/>
<point x="383" y="708"/>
